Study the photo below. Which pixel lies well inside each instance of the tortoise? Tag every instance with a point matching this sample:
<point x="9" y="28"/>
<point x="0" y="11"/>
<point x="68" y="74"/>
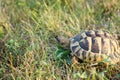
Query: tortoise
<point x="92" y="46"/>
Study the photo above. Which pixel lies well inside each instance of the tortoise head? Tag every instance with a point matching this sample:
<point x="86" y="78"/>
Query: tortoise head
<point x="63" y="41"/>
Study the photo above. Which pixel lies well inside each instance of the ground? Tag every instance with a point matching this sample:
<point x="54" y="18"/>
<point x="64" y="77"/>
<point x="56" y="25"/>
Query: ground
<point x="27" y="37"/>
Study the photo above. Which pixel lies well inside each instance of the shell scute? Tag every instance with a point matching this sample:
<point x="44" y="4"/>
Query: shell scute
<point x="84" y="44"/>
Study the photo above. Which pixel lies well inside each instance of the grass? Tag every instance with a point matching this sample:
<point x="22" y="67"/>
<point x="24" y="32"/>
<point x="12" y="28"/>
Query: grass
<point x="28" y="44"/>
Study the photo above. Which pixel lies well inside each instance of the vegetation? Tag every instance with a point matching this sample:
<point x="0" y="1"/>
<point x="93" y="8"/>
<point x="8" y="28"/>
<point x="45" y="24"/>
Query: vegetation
<point x="28" y="48"/>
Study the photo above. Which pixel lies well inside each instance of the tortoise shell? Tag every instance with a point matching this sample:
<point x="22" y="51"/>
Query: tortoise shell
<point x="95" y="45"/>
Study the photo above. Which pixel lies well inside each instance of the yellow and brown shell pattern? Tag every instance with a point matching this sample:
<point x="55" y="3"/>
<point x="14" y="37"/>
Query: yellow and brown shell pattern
<point x="94" y="45"/>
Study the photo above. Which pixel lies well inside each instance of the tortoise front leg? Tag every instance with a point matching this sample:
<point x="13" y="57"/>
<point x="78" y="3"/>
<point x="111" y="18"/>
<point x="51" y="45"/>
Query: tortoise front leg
<point x="74" y="60"/>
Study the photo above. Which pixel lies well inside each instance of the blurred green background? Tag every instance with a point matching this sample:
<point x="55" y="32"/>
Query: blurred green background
<point x="27" y="37"/>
